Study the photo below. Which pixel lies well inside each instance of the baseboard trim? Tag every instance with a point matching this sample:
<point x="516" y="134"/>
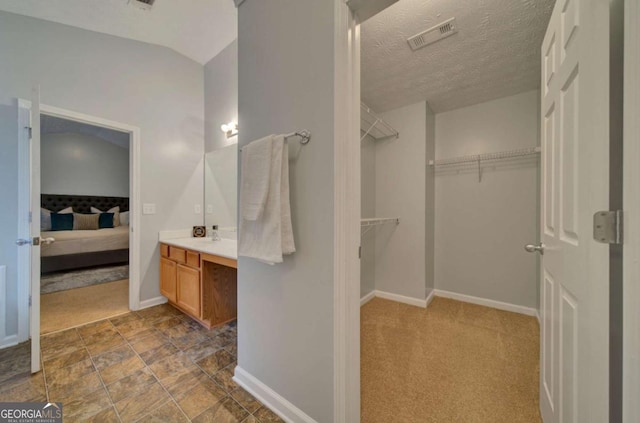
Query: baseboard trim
<point x="486" y="302"/>
<point x="430" y="297"/>
<point x="538" y="316"/>
<point x="9" y="341"/>
<point x="279" y="405"/>
<point x="152" y="302"/>
<point x="370" y="296"/>
<point x="401" y="299"/>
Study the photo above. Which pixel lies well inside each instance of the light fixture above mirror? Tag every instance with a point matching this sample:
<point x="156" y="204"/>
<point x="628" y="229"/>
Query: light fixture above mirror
<point x="231" y="129"/>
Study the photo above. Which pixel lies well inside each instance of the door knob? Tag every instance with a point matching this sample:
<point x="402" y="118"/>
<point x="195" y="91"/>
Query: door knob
<point x="532" y="248"/>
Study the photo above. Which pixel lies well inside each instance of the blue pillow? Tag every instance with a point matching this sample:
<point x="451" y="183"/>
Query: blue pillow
<point x="62" y="222"/>
<point x="105" y="220"/>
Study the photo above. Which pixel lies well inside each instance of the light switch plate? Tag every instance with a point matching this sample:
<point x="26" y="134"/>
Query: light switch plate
<point x="197" y="209"/>
<point x="148" y="208"/>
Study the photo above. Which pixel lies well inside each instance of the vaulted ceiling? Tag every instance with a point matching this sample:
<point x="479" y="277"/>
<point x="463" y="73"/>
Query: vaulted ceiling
<point x="495" y="53"/>
<point x="55" y="125"/>
<point x="198" y="29"/>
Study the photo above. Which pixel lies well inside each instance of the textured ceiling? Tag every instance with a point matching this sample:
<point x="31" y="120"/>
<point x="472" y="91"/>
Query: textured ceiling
<point x="54" y="125"/>
<point x="198" y="29"/>
<point x="495" y="53"/>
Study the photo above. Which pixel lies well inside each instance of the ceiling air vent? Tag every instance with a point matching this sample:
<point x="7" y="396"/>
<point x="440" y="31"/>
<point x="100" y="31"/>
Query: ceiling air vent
<point x="434" y="34"/>
<point x="144" y="4"/>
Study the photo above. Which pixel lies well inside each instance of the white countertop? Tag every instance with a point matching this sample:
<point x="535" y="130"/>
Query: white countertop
<point x="227" y="248"/>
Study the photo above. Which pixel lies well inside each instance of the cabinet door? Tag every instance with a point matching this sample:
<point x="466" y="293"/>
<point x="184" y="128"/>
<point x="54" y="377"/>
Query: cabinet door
<point x="189" y="290"/>
<point x="168" y="278"/>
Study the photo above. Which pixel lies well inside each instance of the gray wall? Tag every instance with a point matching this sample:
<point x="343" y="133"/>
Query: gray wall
<point x="285" y="312"/>
<point x="481" y="228"/>
<point x="79" y="164"/>
<point x="220" y="96"/>
<point x="430" y="206"/>
<point x="368" y="209"/>
<point x="400" y="192"/>
<point x="139" y="84"/>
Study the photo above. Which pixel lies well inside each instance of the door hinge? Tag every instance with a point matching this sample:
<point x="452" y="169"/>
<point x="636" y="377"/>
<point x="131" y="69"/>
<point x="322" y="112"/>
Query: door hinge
<point x="30" y="129"/>
<point x="607" y="226"/>
<point x="30" y="217"/>
<point x="360" y="252"/>
<point x="29" y="300"/>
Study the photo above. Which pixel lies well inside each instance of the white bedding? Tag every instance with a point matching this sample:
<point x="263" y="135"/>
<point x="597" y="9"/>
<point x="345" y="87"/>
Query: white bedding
<point x="76" y="242"/>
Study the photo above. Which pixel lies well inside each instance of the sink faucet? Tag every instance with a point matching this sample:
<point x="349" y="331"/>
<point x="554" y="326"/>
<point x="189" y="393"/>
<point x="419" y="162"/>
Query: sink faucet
<point x="214" y="233"/>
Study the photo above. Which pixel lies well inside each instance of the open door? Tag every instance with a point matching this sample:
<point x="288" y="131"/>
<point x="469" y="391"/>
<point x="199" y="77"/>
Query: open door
<point x="574" y="297"/>
<point x="34" y="312"/>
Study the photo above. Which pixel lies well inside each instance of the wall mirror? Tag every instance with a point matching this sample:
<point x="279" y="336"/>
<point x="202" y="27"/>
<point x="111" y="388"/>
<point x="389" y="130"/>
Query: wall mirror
<point x="221" y="188"/>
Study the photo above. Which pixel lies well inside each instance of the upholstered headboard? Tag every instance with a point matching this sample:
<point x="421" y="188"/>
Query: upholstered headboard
<point x="82" y="203"/>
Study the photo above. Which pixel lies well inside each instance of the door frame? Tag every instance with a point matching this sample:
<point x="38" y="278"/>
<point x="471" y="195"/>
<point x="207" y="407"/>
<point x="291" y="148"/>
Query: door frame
<point x="631" y="188"/>
<point x="24" y="169"/>
<point x="347" y="215"/>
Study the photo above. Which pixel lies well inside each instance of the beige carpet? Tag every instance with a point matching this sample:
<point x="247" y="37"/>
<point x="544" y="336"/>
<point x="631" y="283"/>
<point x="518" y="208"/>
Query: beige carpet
<point x="68" y="309"/>
<point x="453" y="362"/>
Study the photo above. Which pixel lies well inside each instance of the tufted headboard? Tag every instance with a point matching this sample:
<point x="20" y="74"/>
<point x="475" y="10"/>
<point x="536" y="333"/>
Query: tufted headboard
<point x="82" y="203"/>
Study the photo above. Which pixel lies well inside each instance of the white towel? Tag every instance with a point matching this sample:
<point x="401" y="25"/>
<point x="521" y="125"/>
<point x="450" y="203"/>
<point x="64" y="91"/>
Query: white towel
<point x="271" y="235"/>
<point x="256" y="164"/>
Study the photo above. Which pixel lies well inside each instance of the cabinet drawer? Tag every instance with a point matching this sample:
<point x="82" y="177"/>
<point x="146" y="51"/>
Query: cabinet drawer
<point x="178" y="254"/>
<point x="193" y="259"/>
<point x="164" y="250"/>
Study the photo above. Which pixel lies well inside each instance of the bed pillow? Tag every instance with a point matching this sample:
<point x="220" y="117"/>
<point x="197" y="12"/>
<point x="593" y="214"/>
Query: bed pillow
<point x="124" y="218"/>
<point x="105" y="220"/>
<point x="116" y="214"/>
<point x="45" y="217"/>
<point x="61" y="221"/>
<point x="85" y="222"/>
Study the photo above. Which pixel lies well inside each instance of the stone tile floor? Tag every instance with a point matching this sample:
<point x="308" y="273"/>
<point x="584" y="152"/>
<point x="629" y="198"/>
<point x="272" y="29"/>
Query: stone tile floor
<point x="153" y="365"/>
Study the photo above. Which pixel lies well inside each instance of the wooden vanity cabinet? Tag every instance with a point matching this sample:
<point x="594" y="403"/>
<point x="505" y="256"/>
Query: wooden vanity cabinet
<point x="201" y="285"/>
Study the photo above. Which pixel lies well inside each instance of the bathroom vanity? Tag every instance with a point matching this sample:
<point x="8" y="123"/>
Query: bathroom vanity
<point x="199" y="277"/>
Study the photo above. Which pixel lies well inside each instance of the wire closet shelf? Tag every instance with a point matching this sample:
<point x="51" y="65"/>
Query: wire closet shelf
<point x="478" y="159"/>
<point x="368" y="224"/>
<point x="374" y="126"/>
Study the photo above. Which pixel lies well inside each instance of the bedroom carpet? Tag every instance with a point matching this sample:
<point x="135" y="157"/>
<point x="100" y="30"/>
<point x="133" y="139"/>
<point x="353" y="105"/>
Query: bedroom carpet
<point x="61" y="281"/>
<point x="75" y="307"/>
<point x="451" y="362"/>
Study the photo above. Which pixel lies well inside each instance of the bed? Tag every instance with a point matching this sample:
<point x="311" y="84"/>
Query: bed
<point x="80" y="249"/>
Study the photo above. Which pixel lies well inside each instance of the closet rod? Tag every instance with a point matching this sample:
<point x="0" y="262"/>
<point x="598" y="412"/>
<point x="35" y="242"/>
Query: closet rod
<point x="522" y="152"/>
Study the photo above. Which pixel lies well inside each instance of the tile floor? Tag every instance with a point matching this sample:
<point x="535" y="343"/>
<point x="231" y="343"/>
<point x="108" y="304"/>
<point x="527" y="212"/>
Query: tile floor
<point x="154" y="365"/>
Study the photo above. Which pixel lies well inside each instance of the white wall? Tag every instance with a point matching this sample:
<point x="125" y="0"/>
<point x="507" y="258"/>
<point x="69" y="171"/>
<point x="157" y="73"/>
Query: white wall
<point x="147" y="86"/>
<point x="79" y="164"/>
<point x="285" y="312"/>
<point x="481" y="228"/>
<point x="400" y="174"/>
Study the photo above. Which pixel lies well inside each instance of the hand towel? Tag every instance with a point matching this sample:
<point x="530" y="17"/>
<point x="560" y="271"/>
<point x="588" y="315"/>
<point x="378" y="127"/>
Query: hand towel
<point x="256" y="160"/>
<point x="271" y="235"/>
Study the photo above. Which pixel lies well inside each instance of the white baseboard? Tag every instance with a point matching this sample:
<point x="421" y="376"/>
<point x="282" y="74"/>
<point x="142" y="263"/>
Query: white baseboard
<point x="152" y="302"/>
<point x="486" y="302"/>
<point x="401" y="299"/>
<point x="279" y="405"/>
<point x="9" y="341"/>
<point x="538" y="316"/>
<point x="370" y="296"/>
<point x="430" y="297"/>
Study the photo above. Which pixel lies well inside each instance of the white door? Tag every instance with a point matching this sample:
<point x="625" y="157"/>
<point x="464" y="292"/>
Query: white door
<point x="34" y="314"/>
<point x="574" y="297"/>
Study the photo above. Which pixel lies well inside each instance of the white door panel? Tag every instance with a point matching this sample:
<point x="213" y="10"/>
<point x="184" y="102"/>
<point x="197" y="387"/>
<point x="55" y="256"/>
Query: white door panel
<point x="575" y="177"/>
<point x="35" y="231"/>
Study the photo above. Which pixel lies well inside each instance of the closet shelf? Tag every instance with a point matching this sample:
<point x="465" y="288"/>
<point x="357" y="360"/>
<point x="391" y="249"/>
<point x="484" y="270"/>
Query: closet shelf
<point x="522" y="152"/>
<point x="374" y="126"/>
<point x="369" y="224"/>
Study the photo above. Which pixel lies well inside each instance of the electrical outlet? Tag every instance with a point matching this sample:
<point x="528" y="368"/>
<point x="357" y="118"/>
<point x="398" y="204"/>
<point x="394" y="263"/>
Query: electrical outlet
<point x="209" y="208"/>
<point x="148" y="208"/>
<point x="197" y="209"/>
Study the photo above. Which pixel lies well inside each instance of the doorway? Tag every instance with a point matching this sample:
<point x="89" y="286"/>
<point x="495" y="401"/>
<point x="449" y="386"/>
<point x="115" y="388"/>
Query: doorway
<point x="30" y="198"/>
